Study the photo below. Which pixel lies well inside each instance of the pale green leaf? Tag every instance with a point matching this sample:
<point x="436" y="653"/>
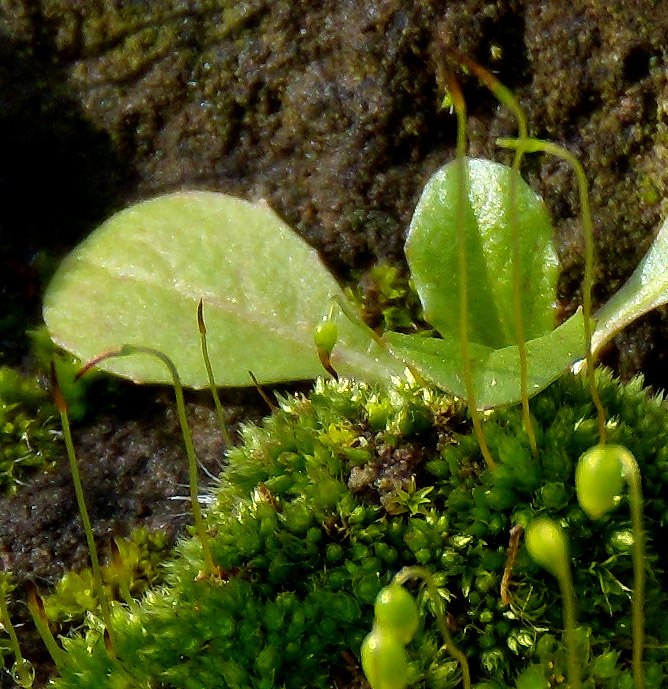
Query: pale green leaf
<point x="139" y="277"/>
<point x="431" y="250"/>
<point x="646" y="289"/>
<point x="496" y="376"/>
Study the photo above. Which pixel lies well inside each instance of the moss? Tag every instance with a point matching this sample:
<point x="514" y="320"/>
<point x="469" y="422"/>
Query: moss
<point x="304" y="542"/>
<point x="29" y="439"/>
<point x="132" y="568"/>
<point x="387" y="300"/>
<point x="180" y="136"/>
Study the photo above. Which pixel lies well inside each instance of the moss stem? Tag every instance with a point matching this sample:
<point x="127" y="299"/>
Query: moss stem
<point x="536" y="145"/>
<point x="36" y="608"/>
<point x="566" y="585"/>
<point x="24" y="670"/>
<point x="632" y="475"/>
<point x="504" y="96"/>
<point x="547" y="544"/>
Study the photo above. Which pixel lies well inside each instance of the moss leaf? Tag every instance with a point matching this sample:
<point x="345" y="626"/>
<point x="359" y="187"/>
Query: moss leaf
<point x="139" y="277"/>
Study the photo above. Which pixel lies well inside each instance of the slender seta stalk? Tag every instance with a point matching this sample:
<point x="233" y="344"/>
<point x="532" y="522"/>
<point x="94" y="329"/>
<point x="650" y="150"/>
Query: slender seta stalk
<point x="599" y="477"/>
<point x="36" y="608"/>
<point x="538" y="145"/>
<point x="632" y="476"/>
<point x="265" y="397"/>
<point x="200" y="528"/>
<point x="61" y="405"/>
<point x="212" y="381"/>
<point x="417" y="572"/>
<point x="548" y="546"/>
<point x="568" y="594"/>
<point x="24" y="673"/>
<point x="504" y="96"/>
<point x="460" y="110"/>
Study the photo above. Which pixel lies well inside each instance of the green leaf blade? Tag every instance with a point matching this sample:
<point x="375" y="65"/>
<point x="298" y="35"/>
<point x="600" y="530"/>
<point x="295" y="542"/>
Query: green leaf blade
<point x="431" y="250"/>
<point x="139" y="277"/>
<point x="496" y="376"/>
<point x="646" y="289"/>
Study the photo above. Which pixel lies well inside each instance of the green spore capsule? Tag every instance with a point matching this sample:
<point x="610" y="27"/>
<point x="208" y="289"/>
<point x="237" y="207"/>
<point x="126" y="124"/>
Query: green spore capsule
<point x="599" y="479"/>
<point x="384" y="660"/>
<point x="547" y="545"/>
<point x="397" y="612"/>
<point x="326" y="335"/>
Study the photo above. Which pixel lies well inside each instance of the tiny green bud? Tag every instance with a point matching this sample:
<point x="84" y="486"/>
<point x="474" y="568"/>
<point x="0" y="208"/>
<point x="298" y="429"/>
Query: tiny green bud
<point x="486" y="616"/>
<point x="554" y="495"/>
<point x="548" y="546"/>
<point x="377" y="414"/>
<point x="599" y="478"/>
<point x="326" y="335"/>
<point x="386" y="553"/>
<point x="372" y="565"/>
<point x="366" y="589"/>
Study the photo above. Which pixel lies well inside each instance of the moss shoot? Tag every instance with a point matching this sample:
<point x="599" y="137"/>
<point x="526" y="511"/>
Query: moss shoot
<point x="301" y="529"/>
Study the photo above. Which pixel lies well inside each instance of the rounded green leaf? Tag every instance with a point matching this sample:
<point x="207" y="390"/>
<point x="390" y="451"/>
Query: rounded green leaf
<point x="139" y="277"/>
<point x="431" y="250"/>
<point x="646" y="289"/>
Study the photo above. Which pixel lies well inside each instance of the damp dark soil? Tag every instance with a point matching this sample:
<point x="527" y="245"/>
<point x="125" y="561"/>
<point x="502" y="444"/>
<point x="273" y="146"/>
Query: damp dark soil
<point x="330" y="110"/>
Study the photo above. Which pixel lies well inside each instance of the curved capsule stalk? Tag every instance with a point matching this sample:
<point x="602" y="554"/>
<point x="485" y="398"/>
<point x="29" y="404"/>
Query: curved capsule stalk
<point x="128" y="350"/>
<point x="548" y="546"/>
<point x="506" y="97"/>
<point x="61" y="406"/>
<point x="460" y="109"/>
<point x="212" y="381"/>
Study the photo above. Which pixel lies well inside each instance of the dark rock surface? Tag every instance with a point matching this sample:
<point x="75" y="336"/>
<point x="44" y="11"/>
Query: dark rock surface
<point x="330" y="111"/>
